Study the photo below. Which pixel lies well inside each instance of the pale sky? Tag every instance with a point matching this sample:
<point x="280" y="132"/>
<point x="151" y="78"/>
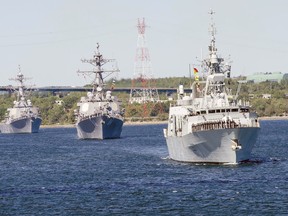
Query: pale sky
<point x="48" y="38"/>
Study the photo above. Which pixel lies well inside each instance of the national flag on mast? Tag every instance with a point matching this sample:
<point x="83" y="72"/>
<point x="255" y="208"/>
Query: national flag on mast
<point x="196" y="76"/>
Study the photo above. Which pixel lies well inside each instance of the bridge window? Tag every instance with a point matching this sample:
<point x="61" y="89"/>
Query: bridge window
<point x="244" y="109"/>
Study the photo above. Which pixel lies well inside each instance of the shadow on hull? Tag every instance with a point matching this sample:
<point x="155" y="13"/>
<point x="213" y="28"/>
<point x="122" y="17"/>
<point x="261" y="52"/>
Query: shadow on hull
<point x="24" y="125"/>
<point x="99" y="128"/>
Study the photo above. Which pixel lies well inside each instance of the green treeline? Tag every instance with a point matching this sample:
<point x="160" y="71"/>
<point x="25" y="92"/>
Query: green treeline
<point x="168" y="82"/>
<point x="60" y="109"/>
<point x="277" y="105"/>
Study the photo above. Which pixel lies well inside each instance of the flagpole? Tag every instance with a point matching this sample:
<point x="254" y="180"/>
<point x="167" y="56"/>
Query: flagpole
<point x="190" y="76"/>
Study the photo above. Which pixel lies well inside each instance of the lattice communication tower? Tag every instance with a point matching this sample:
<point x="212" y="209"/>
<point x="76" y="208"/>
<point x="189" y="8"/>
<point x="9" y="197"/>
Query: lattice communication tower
<point x="143" y="88"/>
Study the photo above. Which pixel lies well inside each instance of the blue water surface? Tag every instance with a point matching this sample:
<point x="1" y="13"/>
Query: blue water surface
<point x="54" y="173"/>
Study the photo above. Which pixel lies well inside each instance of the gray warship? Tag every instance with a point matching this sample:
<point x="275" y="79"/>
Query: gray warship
<point x="99" y="115"/>
<point x="211" y="125"/>
<point x="23" y="117"/>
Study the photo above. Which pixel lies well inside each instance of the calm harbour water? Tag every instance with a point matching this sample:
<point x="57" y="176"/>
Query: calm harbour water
<point x="54" y="173"/>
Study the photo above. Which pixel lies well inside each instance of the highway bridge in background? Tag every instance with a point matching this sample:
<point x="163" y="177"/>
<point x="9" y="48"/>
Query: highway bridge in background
<point x="62" y="89"/>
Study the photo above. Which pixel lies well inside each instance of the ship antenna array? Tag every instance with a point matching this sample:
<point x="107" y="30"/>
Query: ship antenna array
<point x="212" y="24"/>
<point x="21" y="87"/>
<point x="97" y="62"/>
<point x="212" y="47"/>
<point x="20" y="77"/>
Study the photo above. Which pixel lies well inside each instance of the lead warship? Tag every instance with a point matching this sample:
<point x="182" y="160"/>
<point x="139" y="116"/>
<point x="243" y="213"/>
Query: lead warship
<point x="23" y="117"/>
<point x="210" y="125"/>
<point x="99" y="115"/>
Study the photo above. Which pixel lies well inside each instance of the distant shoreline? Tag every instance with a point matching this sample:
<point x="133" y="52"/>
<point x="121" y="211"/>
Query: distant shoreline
<point x="145" y="122"/>
<point x="274" y="118"/>
<point x="125" y="123"/>
<point x="57" y="126"/>
<point x="157" y="122"/>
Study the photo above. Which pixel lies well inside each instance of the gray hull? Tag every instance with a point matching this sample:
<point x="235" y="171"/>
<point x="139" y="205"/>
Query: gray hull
<point x="23" y="125"/>
<point x="100" y="127"/>
<point x="214" y="146"/>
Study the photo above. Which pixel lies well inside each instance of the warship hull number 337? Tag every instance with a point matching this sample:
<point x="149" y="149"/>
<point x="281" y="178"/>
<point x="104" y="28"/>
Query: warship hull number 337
<point x="211" y="125"/>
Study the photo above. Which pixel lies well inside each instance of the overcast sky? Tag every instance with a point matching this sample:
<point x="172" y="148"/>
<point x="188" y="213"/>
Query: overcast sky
<point x="48" y="38"/>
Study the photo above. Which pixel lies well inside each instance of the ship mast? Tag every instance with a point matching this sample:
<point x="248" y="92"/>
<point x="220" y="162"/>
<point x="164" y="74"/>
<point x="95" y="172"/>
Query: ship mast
<point x="215" y="93"/>
<point x="98" y="61"/>
<point x="214" y="61"/>
<point x="21" y="87"/>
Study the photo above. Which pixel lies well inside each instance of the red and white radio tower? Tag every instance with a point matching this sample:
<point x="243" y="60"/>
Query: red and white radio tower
<point x="143" y="87"/>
